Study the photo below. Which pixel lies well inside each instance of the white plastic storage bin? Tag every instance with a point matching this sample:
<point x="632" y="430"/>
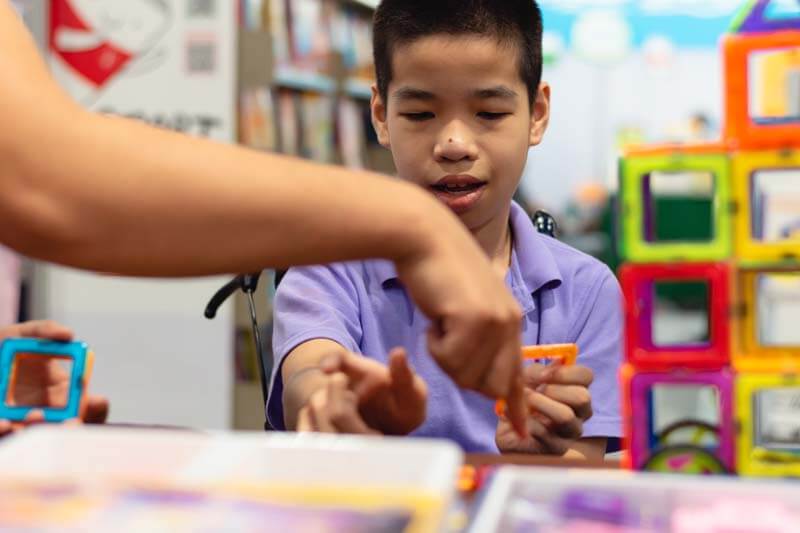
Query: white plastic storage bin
<point x="367" y="474"/>
<point x="545" y="500"/>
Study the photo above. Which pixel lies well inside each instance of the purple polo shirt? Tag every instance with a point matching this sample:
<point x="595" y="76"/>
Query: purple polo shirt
<point x="566" y="297"/>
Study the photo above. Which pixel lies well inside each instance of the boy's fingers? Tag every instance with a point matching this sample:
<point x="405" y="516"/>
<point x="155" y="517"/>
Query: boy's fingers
<point x="572" y="375"/>
<point x="577" y="397"/>
<point x="358" y="369"/>
<point x="565" y="423"/>
<point x="554" y="444"/>
<point x="535" y="428"/>
<point x="347" y="419"/>
<point x="537" y="374"/>
<point x="318" y="411"/>
<point x="342" y="407"/>
<point x="5" y="427"/>
<point x="304" y="424"/>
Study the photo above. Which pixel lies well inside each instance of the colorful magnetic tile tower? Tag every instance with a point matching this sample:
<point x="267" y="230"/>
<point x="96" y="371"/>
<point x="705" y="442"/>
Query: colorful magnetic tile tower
<point x="749" y="366"/>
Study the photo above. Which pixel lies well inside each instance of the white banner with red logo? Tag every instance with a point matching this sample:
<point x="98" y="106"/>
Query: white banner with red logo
<point x="171" y="63"/>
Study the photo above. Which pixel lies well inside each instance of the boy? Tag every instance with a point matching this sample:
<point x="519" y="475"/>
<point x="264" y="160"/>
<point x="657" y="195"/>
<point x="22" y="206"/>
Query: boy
<point x="458" y="101"/>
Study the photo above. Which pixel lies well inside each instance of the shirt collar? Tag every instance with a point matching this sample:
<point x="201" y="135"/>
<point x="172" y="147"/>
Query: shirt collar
<point x="532" y="263"/>
<point x="537" y="266"/>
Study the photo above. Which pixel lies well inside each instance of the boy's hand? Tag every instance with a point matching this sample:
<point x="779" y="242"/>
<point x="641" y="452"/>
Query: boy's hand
<point x="363" y="396"/>
<point x="475" y="333"/>
<point x="558" y="402"/>
<point x="43" y="382"/>
<point x="333" y="409"/>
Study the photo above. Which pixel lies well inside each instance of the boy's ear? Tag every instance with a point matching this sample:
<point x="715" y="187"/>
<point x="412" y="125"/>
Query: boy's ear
<point x="540" y="114"/>
<point x="378" y="108"/>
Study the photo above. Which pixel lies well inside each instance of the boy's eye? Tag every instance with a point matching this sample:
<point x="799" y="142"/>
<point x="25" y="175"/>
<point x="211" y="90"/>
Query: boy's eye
<point x="418" y="117"/>
<point x="492" y="116"/>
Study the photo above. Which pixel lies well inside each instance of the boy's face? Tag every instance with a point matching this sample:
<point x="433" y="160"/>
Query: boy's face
<point x="458" y="122"/>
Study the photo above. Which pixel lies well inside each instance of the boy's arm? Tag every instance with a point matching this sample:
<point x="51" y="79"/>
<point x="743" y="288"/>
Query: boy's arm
<point x="303" y="376"/>
<point x="118" y="196"/>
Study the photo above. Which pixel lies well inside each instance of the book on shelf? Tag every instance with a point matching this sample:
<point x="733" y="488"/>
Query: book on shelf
<point x="309" y="34"/>
<point x="257" y="128"/>
<point x="277" y="23"/>
<point x="288" y="122"/>
<point x="316" y="127"/>
<point x="351" y="37"/>
<point x="350" y="134"/>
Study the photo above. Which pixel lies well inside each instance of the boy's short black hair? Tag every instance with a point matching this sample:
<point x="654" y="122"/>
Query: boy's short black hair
<point x="516" y="22"/>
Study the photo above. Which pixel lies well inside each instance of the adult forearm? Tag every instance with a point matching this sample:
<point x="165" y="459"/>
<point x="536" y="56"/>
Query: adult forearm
<point x="126" y="198"/>
<point x="115" y="195"/>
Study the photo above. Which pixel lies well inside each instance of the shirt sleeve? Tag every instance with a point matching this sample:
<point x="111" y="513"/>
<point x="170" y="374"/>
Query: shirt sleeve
<point x="598" y="334"/>
<point x="319" y="302"/>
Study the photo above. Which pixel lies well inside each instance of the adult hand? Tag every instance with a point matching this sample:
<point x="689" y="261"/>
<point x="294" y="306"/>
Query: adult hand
<point x="475" y="332"/>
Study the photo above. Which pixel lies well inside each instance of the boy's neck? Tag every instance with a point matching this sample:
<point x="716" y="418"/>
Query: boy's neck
<point x="496" y="240"/>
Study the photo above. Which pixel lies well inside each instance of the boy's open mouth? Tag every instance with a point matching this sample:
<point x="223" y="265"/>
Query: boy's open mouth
<point x="460" y="193"/>
<point x="456" y="189"/>
<point x="460" y="184"/>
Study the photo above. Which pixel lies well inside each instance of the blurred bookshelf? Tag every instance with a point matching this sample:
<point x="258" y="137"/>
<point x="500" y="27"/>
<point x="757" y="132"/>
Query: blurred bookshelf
<point x="305" y="78"/>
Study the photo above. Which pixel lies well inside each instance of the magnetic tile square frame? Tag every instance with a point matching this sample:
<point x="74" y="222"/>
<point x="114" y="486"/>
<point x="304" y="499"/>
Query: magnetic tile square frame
<point x="745" y="166"/>
<point x="636" y="217"/>
<point x="639" y="411"/>
<point x="740" y="130"/>
<point x="78" y="353"/>
<point x="638" y="282"/>
<point x="749" y="354"/>
<point x="755" y="457"/>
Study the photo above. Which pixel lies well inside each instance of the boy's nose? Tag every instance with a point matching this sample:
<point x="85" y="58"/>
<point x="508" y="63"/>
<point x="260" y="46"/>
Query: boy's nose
<point x="455" y="144"/>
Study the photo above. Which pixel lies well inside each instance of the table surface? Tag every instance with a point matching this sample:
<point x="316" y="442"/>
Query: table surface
<point x="478" y="460"/>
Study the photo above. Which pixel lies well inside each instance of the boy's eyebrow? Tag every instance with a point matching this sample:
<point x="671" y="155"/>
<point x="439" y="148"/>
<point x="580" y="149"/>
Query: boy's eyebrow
<point x="499" y="91"/>
<point x="411" y="93"/>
